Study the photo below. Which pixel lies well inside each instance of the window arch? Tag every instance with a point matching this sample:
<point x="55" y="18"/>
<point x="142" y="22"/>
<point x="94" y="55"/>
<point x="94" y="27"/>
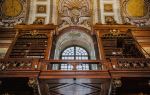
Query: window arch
<point x="74" y="36"/>
<point x="74" y="53"/>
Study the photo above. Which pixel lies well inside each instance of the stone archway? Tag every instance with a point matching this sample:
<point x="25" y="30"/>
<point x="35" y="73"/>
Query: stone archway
<point x="75" y="36"/>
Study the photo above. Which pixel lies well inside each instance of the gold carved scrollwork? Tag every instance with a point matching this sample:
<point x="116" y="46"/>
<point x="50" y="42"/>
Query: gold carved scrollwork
<point x="136" y="12"/>
<point x="11" y="8"/>
<point x="14" y="12"/>
<point x="136" y="8"/>
<point x="74" y="12"/>
<point x="114" y="31"/>
<point x="117" y="82"/>
<point x="32" y="82"/>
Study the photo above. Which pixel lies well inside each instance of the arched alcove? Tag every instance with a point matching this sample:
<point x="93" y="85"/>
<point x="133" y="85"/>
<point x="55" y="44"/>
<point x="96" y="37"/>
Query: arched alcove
<point x="72" y="37"/>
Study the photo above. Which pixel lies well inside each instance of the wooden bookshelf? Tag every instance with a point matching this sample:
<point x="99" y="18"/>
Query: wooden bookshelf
<point x="30" y="46"/>
<point x="120" y="46"/>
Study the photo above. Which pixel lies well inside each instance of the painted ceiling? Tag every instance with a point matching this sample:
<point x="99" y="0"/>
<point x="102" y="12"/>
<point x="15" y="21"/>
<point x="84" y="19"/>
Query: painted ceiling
<point x="84" y="13"/>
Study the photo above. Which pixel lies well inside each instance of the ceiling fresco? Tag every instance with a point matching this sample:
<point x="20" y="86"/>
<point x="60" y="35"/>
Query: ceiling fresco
<point x="13" y="12"/>
<point x="74" y="12"/>
<point x="136" y="12"/>
<point x="84" y="13"/>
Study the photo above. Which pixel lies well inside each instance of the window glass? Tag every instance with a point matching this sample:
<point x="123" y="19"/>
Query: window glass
<point x="74" y="53"/>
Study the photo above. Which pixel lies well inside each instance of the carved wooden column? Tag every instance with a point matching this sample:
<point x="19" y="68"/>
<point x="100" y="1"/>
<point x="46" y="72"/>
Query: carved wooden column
<point x="114" y="63"/>
<point x="100" y="47"/>
<point x="49" y="45"/>
<point x="116" y="83"/>
<point x="44" y="87"/>
<point x="33" y="83"/>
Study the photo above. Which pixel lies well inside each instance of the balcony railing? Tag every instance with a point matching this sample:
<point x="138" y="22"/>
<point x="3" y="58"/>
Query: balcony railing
<point x="73" y="65"/>
<point x="51" y="69"/>
<point x="131" y="64"/>
<point x="18" y="64"/>
<point x="78" y="65"/>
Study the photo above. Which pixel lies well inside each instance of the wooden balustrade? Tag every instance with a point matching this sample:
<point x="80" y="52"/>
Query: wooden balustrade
<point x="35" y="64"/>
<point x="131" y="64"/>
<point x="72" y="64"/>
<point x="122" y="67"/>
<point x="19" y="64"/>
<point x="112" y="64"/>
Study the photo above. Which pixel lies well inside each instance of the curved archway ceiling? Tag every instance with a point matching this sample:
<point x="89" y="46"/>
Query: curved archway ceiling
<point x="75" y="37"/>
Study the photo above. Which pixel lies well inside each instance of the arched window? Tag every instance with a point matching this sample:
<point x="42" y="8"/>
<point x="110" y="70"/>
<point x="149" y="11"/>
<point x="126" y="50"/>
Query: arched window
<point x="75" y="44"/>
<point x="74" y="53"/>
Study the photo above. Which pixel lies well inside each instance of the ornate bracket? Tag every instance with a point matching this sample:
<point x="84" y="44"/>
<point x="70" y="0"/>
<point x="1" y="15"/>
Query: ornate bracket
<point x="117" y="83"/>
<point x="33" y="83"/>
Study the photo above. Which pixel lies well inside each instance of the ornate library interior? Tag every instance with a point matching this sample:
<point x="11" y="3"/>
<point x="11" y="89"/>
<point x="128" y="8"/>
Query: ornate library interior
<point x="74" y="47"/>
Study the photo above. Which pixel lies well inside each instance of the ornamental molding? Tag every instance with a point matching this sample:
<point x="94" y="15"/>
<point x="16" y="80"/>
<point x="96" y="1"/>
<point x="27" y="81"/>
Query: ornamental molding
<point x="74" y="13"/>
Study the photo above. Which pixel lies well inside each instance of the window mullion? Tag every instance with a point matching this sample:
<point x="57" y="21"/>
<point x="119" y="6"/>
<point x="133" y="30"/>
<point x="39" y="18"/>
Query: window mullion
<point x="74" y="52"/>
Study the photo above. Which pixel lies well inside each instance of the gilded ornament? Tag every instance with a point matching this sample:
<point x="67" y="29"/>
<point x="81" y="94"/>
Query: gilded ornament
<point x="11" y="8"/>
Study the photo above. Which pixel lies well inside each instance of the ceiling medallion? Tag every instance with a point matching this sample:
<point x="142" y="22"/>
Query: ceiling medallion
<point x="136" y="12"/>
<point x="136" y="9"/>
<point x="11" y="8"/>
<point x="13" y="12"/>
